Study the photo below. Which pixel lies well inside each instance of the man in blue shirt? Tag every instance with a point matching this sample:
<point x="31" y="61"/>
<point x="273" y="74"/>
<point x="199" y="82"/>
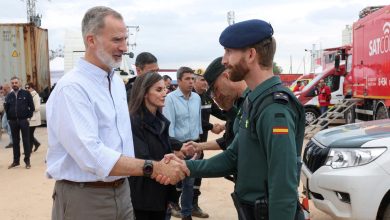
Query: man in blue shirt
<point x="182" y="109"/>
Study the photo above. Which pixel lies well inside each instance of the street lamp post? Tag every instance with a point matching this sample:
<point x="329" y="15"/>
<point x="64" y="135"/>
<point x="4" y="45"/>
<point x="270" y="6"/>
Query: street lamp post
<point x="230" y="17"/>
<point x="312" y="58"/>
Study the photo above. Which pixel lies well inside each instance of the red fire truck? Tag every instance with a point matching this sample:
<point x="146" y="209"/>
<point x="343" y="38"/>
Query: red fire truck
<point x="361" y="70"/>
<point x="368" y="65"/>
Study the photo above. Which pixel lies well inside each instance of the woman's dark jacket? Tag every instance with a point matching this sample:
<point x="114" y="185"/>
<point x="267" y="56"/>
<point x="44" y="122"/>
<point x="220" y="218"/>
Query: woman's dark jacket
<point x="151" y="141"/>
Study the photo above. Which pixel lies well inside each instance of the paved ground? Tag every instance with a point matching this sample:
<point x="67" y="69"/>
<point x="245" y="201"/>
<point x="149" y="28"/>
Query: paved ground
<point x="26" y="194"/>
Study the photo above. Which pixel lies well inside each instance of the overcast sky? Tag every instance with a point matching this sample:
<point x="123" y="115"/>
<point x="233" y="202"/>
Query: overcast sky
<point x="186" y="32"/>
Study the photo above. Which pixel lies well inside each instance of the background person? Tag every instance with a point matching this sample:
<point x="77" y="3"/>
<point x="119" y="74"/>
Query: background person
<point x="324" y="96"/>
<point x="208" y="108"/>
<point x="229" y="96"/>
<point x="151" y="142"/>
<point x="298" y="87"/>
<point x="19" y="107"/>
<point x="144" y="62"/>
<point x="183" y="110"/>
<point x="168" y="82"/>
<point x="35" y="120"/>
<point x="2" y="100"/>
<point x="4" y="120"/>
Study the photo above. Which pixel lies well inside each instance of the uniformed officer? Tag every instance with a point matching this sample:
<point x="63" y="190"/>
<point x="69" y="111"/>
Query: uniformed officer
<point x="271" y="127"/>
<point x="229" y="96"/>
<point x="208" y="108"/>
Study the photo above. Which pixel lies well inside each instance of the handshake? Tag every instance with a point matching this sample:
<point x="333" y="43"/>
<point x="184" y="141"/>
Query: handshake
<point x="173" y="168"/>
<point x="170" y="170"/>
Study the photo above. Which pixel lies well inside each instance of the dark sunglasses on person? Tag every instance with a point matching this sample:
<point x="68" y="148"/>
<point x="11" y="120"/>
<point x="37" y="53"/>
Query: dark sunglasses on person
<point x="27" y="87"/>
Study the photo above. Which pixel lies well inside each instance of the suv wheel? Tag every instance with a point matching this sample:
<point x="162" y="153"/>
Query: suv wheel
<point x="311" y="114"/>
<point x="381" y="113"/>
<point x="350" y="116"/>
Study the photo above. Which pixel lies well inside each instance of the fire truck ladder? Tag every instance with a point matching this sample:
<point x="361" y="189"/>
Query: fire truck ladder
<point x="328" y="117"/>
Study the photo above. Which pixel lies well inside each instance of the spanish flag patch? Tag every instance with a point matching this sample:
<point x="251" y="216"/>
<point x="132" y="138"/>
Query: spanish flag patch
<point x="280" y="130"/>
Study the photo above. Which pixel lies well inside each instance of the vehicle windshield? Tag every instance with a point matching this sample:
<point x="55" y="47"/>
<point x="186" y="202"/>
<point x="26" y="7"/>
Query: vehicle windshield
<point x="312" y="82"/>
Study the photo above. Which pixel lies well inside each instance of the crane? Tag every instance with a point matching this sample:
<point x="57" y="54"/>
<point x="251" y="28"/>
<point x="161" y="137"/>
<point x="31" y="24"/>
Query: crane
<point x="32" y="16"/>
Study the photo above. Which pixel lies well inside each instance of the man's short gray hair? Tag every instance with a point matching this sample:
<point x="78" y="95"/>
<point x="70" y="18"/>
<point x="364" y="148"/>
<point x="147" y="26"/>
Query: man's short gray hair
<point x="93" y="20"/>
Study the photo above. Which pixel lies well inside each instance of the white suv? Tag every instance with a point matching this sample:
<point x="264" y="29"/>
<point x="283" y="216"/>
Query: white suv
<point x="346" y="170"/>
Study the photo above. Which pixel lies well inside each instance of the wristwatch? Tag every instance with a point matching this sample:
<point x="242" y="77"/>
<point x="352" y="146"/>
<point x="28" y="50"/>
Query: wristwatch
<point x="148" y="168"/>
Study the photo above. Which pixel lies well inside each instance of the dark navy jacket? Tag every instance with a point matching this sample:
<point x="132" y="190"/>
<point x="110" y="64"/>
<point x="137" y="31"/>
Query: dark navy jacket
<point x="151" y="141"/>
<point x="20" y="107"/>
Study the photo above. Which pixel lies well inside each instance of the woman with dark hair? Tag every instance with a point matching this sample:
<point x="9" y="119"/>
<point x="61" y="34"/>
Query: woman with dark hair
<point x="151" y="142"/>
<point x="35" y="120"/>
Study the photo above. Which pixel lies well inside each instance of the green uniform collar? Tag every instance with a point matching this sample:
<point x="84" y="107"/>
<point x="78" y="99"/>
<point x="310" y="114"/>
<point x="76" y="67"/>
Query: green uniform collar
<point x="264" y="86"/>
<point x="238" y="102"/>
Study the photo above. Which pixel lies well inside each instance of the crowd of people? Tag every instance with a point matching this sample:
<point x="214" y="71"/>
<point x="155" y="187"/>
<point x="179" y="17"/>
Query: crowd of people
<point x="135" y="150"/>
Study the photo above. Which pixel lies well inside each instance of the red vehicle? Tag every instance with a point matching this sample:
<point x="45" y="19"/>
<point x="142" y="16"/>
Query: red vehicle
<point x="361" y="70"/>
<point x="289" y="78"/>
<point x="304" y="79"/>
<point x="368" y="66"/>
<point x="333" y="77"/>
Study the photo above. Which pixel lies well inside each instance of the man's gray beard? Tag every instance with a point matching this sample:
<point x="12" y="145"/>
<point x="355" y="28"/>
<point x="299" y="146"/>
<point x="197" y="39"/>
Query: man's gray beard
<point x="106" y="59"/>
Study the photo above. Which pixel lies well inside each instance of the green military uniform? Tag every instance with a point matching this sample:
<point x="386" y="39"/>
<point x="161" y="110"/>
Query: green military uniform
<point x="238" y="108"/>
<point x="264" y="150"/>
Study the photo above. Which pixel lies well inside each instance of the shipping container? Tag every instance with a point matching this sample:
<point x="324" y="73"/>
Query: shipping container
<point x="24" y="53"/>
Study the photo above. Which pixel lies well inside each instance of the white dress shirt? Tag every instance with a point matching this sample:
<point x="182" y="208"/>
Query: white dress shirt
<point x="88" y="127"/>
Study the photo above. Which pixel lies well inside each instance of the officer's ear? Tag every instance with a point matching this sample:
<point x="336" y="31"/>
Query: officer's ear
<point x="252" y="55"/>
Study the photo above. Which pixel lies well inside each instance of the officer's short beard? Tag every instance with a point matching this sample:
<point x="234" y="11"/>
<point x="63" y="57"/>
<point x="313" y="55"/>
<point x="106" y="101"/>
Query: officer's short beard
<point x="238" y="71"/>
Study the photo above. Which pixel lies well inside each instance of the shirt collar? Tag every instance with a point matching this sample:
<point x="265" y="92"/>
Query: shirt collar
<point x="240" y="100"/>
<point x="179" y="93"/>
<point x="261" y="88"/>
<point x="16" y="90"/>
<point x="94" y="71"/>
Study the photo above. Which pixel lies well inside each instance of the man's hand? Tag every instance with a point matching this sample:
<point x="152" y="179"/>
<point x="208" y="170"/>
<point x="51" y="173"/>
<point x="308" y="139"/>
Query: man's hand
<point x="223" y="127"/>
<point x="217" y="128"/>
<point x="188" y="150"/>
<point x="179" y="154"/>
<point x="170" y="170"/>
<point x="196" y="146"/>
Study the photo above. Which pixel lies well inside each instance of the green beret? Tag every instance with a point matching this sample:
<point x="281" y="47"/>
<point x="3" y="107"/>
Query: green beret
<point x="215" y="69"/>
